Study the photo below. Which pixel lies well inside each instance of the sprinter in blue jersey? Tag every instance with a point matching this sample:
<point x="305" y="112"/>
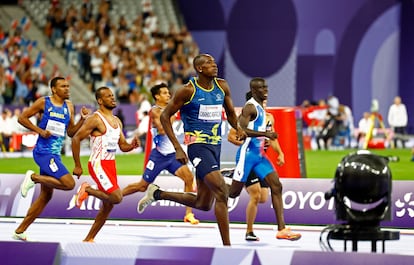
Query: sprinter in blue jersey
<point x="200" y="103"/>
<point x="56" y="120"/>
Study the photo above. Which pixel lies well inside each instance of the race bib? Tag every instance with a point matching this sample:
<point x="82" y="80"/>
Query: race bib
<point x="56" y="128"/>
<point x="210" y="112"/>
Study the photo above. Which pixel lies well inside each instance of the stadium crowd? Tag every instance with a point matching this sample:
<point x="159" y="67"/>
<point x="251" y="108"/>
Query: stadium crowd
<point x="127" y="57"/>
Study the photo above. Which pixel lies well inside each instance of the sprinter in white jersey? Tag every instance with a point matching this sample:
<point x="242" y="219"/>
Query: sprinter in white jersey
<point x="251" y="155"/>
<point x="105" y="130"/>
<point x="257" y="188"/>
<point x="162" y="157"/>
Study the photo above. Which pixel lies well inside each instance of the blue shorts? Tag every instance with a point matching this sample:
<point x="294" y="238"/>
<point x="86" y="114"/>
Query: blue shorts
<point x="50" y="165"/>
<point x="158" y="162"/>
<point x="205" y="158"/>
<point x="251" y="160"/>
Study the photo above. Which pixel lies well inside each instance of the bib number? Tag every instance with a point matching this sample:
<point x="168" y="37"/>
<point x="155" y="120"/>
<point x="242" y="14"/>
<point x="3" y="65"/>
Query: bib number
<point x="56" y="128"/>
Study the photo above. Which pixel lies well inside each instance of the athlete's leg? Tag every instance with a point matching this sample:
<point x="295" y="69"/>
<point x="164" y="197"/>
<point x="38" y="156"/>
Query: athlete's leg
<point x="53" y="172"/>
<point x="213" y="187"/>
<point x="36" y="208"/>
<point x="155" y="164"/>
<point x="185" y="174"/>
<point x="235" y="189"/>
<point x="114" y="197"/>
<point x="214" y="180"/>
<point x="272" y="179"/>
<point x="140" y="186"/>
<point x="100" y="220"/>
<point x="254" y="192"/>
<point x="264" y="194"/>
<point x="202" y="200"/>
<point x="66" y="182"/>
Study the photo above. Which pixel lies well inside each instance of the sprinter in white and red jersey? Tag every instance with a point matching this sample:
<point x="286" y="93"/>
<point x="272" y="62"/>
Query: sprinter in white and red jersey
<point x="105" y="130"/>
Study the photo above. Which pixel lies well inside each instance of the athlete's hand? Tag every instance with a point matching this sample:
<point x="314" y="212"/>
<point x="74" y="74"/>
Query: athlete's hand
<point x="77" y="171"/>
<point x="280" y="159"/>
<point x="241" y="134"/>
<point x="45" y="134"/>
<point x="181" y="156"/>
<point x="85" y="112"/>
<point x="135" y="142"/>
<point x="271" y="135"/>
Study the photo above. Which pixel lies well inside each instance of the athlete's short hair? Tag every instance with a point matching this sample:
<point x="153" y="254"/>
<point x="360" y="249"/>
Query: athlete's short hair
<point x="155" y="90"/>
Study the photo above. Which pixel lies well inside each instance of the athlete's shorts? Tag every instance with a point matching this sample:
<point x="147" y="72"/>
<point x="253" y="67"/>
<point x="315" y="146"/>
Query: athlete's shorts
<point x="104" y="174"/>
<point x="205" y="158"/>
<point x="253" y="179"/>
<point x="50" y="165"/>
<point x="252" y="161"/>
<point x="158" y="162"/>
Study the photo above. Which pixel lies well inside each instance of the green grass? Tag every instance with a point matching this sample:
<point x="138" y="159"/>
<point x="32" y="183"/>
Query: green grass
<point x="319" y="164"/>
<point x="127" y="164"/>
<point x="322" y="164"/>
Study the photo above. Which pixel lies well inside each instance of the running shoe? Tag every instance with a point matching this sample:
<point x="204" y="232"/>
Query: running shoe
<point x="251" y="237"/>
<point x="189" y="218"/>
<point x="227" y="172"/>
<point x="27" y="183"/>
<point x="148" y="198"/>
<point x="82" y="195"/>
<point x="288" y="234"/>
<point x="21" y="236"/>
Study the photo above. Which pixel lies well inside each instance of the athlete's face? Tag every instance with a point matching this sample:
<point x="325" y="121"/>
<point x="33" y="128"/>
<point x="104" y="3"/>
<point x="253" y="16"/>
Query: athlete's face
<point x="164" y="96"/>
<point x="260" y="90"/>
<point x="61" y="89"/>
<point x="107" y="99"/>
<point x="209" y="66"/>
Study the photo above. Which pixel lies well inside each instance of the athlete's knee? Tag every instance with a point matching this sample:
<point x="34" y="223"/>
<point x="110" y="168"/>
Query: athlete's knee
<point x="204" y="206"/>
<point x="115" y="198"/>
<point x="222" y="195"/>
<point x="188" y="180"/>
<point x="71" y="186"/>
<point x="263" y="197"/>
<point x="255" y="197"/>
<point x="68" y="182"/>
<point x="277" y="187"/>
